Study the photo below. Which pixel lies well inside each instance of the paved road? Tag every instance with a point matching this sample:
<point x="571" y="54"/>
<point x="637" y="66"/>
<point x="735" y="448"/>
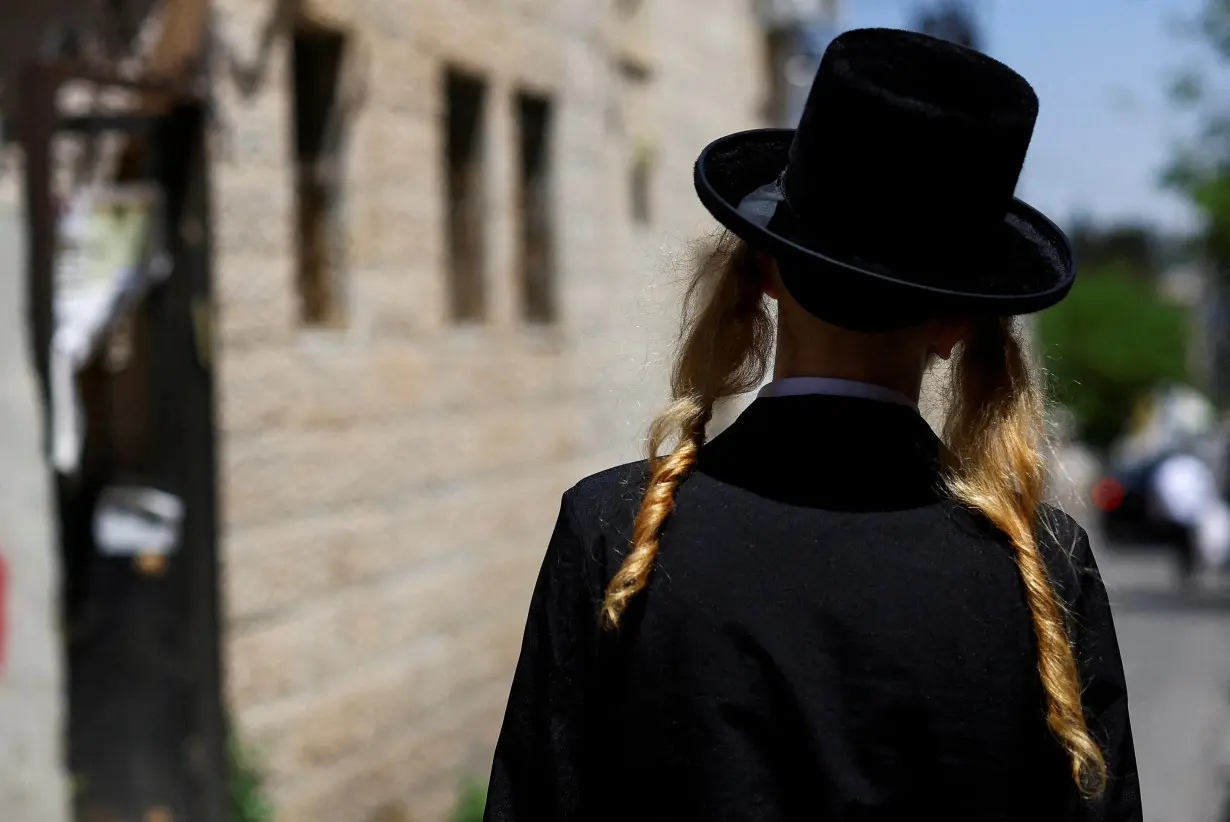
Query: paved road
<point x="32" y="784"/>
<point x="1176" y="651"/>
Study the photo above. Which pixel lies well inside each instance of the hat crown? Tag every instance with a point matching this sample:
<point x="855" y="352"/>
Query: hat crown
<point x="908" y="135"/>
<point x="894" y="199"/>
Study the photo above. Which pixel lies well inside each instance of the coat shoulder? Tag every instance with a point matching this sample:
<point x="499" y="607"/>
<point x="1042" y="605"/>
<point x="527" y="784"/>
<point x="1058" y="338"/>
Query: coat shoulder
<point x="602" y="509"/>
<point x="1060" y="532"/>
<point x="1060" y="528"/>
<point x="1065" y="548"/>
<point x="611" y="494"/>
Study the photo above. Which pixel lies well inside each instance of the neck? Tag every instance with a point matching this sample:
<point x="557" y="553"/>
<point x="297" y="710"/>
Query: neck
<point x="807" y="347"/>
<point x="909" y="385"/>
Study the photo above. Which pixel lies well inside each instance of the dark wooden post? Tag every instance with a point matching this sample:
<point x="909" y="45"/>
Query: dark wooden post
<point x="147" y="735"/>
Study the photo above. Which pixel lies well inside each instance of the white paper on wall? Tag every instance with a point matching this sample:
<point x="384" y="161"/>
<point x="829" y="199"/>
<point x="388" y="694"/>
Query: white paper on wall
<point x="132" y="521"/>
<point x="110" y="253"/>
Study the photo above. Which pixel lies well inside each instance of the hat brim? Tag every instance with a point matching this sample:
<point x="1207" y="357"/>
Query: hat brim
<point x="1028" y="266"/>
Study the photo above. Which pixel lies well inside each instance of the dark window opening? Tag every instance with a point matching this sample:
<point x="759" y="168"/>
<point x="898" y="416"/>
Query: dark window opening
<point x="317" y="55"/>
<point x="779" y="45"/>
<point x="641" y="184"/>
<point x="628" y="8"/>
<point x="536" y="257"/>
<point x="465" y="97"/>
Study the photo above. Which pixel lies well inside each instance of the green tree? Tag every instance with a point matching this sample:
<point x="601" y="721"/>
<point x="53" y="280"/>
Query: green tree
<point x="1108" y="343"/>
<point x="1135" y="246"/>
<point x="1200" y="171"/>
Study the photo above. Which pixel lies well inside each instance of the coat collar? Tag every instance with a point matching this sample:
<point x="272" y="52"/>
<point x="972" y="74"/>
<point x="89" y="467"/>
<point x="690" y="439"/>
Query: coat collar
<point x="831" y="386"/>
<point x="827" y="450"/>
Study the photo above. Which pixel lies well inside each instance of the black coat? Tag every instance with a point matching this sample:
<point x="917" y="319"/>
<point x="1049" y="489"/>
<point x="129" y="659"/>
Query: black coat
<point x="825" y="637"/>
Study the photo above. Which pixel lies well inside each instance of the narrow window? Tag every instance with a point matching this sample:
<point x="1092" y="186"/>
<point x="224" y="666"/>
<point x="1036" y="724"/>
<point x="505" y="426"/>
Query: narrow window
<point x="464" y="103"/>
<point x="317" y="55"/>
<point x="536" y="257"/>
<point x="779" y="45"/>
<point x="641" y="186"/>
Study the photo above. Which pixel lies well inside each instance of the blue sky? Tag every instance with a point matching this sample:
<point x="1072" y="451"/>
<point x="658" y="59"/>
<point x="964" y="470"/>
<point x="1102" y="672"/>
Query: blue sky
<point x="1101" y="68"/>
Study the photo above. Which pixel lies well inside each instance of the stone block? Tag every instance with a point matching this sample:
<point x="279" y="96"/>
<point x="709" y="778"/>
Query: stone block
<point x="331" y="386"/>
<point x="256" y="218"/>
<point x="282" y="474"/>
<point x="399" y="303"/>
<point x="272" y="568"/>
<point x="278" y="660"/>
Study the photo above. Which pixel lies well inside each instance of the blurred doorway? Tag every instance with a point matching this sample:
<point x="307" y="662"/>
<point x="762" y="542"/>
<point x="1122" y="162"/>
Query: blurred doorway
<point x="146" y="731"/>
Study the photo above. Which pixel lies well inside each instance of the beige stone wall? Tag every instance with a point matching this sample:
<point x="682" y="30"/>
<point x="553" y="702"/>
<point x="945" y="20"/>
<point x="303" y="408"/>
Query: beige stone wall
<point x="389" y="487"/>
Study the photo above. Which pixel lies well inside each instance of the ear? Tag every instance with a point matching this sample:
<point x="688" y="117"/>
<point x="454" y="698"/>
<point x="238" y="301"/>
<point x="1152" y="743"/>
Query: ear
<point x="768" y="274"/>
<point x="947" y="334"/>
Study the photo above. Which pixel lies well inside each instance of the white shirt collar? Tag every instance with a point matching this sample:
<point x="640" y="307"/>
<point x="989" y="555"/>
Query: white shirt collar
<point x="795" y="386"/>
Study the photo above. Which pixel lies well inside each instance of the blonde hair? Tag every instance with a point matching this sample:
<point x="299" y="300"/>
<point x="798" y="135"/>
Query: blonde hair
<point x="727" y="342"/>
<point x="994" y="433"/>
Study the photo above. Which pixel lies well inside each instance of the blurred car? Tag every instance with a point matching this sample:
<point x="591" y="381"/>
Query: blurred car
<point x="1160" y="481"/>
<point x="1121" y="498"/>
<point x="1170" y="500"/>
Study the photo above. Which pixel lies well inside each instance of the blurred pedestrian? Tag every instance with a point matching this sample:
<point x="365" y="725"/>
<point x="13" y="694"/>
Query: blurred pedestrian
<point x="1213" y="536"/>
<point x="826" y="612"/>
<point x="1189" y="512"/>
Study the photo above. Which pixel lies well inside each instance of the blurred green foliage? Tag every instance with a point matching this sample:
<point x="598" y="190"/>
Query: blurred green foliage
<point x="1108" y="344"/>
<point x="1135" y="248"/>
<point x="472" y="803"/>
<point x="1200" y="169"/>
<point x="248" y="800"/>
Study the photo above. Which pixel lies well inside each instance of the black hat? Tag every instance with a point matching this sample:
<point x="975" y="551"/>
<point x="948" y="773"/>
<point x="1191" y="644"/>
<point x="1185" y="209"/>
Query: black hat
<point x="893" y="201"/>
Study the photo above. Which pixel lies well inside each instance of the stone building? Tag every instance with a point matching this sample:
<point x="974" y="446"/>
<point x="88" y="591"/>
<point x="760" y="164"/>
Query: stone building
<point x="448" y="239"/>
<point x="441" y="300"/>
